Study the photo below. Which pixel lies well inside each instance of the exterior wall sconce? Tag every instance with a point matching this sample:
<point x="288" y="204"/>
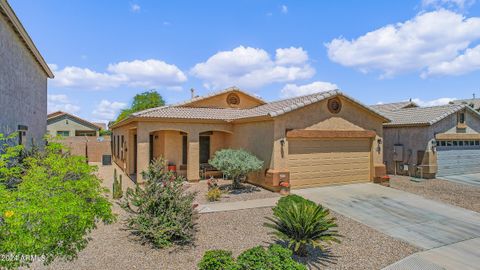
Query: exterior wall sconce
<point x="282" y="144"/>
<point x="434" y="145"/>
<point x="379" y="143"/>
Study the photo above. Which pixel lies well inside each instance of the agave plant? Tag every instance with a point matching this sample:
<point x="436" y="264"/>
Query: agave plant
<point x="302" y="223"/>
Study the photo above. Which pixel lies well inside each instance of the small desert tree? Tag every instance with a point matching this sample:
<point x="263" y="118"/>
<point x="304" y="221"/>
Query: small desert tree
<point x="49" y="202"/>
<point x="235" y="163"/>
<point x="162" y="211"/>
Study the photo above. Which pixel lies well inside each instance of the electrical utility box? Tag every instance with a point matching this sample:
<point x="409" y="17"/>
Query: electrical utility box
<point x="398" y="152"/>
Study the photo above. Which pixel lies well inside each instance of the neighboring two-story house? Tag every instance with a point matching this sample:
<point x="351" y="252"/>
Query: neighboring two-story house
<point x="23" y="81"/>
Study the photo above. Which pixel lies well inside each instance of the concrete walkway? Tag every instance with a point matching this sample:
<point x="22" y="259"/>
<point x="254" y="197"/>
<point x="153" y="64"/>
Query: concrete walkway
<point x="421" y="222"/>
<point x="463" y="255"/>
<point x="448" y="233"/>
<point x="469" y="179"/>
<point x="232" y="206"/>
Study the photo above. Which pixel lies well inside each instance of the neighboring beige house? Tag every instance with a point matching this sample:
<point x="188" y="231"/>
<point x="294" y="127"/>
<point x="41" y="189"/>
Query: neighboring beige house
<point x="320" y="139"/>
<point x="431" y="141"/>
<point x="23" y="81"/>
<point x="69" y="125"/>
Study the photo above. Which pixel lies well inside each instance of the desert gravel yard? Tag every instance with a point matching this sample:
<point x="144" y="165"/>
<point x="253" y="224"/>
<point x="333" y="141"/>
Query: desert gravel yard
<point x="112" y="247"/>
<point x="465" y="196"/>
<point x="248" y="192"/>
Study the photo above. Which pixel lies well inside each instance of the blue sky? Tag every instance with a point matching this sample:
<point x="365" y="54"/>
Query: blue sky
<point x="105" y="52"/>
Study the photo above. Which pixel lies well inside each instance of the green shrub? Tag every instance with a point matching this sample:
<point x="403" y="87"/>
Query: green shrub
<point x="57" y="201"/>
<point x="235" y="163"/>
<point x="254" y="258"/>
<point x="275" y="257"/>
<point x="302" y="223"/>
<point x="117" y="192"/>
<point x="288" y="200"/>
<point x="214" y="194"/>
<point x="105" y="132"/>
<point x="162" y="211"/>
<point x="217" y="260"/>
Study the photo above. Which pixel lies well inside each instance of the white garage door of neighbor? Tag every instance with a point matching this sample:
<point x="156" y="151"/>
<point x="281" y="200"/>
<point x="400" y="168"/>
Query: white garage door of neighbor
<point x="458" y="161"/>
<point x="325" y="162"/>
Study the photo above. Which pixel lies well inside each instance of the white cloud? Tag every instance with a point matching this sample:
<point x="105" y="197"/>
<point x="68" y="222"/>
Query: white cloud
<point x="434" y="102"/>
<point x="284" y="9"/>
<point x="465" y="63"/>
<point x="461" y="4"/>
<point x="415" y="45"/>
<point x="108" y="110"/>
<point x="291" y="55"/>
<point x="253" y="67"/>
<point x="76" y="77"/>
<point x="135" y="8"/>
<point x="293" y="90"/>
<point x="150" y="73"/>
<point x="61" y="103"/>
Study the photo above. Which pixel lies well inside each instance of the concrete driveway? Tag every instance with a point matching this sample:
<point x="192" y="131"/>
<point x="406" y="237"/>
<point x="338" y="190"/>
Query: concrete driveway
<point x="421" y="222"/>
<point x="469" y="179"/>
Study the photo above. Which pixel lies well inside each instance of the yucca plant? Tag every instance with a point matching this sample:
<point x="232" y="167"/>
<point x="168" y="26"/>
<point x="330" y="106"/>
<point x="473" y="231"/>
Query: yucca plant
<point x="302" y="223"/>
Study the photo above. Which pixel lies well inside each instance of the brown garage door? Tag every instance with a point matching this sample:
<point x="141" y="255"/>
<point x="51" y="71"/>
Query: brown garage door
<point x="328" y="161"/>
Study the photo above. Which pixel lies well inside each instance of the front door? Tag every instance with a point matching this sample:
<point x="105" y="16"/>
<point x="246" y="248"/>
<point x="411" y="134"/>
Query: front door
<point x="204" y="149"/>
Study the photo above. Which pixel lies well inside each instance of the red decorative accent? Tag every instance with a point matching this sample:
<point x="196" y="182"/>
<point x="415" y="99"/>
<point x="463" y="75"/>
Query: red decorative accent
<point x="284" y="184"/>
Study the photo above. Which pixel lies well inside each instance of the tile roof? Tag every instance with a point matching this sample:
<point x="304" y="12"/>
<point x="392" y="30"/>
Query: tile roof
<point x="393" y="106"/>
<point x="229" y="89"/>
<point x="475" y="102"/>
<point x="271" y="109"/>
<point x="421" y="115"/>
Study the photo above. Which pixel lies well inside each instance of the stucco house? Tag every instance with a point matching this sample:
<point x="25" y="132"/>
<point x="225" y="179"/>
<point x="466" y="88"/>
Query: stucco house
<point x="431" y="141"/>
<point x="319" y="139"/>
<point x="23" y="81"/>
<point x="69" y="125"/>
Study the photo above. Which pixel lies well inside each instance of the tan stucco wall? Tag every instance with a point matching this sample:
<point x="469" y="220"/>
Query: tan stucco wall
<point x="72" y="126"/>
<point x="256" y="138"/>
<point x="23" y="88"/>
<point x="218" y="141"/>
<point x="220" y="101"/>
<point x="318" y="117"/>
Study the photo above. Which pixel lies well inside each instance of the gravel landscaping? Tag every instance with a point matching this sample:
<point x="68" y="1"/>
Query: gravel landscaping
<point x="465" y="196"/>
<point x="248" y="192"/>
<point x="112" y="247"/>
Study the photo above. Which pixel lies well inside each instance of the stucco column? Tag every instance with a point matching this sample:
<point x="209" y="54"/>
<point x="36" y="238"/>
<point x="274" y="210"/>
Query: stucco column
<point x="193" y="157"/>
<point x="142" y="152"/>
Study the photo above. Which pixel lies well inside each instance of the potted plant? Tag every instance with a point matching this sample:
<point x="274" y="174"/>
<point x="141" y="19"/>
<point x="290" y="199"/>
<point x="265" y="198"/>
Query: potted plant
<point x="171" y="167"/>
<point x="385" y="180"/>
<point x="284" y="188"/>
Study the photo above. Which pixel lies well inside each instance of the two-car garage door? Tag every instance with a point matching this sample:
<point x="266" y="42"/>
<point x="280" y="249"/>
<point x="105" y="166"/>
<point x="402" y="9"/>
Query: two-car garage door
<point x="320" y="162"/>
<point x="456" y="161"/>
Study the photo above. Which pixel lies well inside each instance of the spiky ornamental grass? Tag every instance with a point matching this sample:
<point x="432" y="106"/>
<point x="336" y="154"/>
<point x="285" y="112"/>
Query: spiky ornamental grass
<point x="302" y="223"/>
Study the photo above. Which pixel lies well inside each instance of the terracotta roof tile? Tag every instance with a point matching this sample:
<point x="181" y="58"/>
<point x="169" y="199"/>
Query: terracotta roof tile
<point x="422" y="115"/>
<point x="271" y="109"/>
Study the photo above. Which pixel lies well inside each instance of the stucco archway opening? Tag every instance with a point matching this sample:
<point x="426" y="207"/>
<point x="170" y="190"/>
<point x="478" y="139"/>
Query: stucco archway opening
<point x="174" y="146"/>
<point x="171" y="145"/>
